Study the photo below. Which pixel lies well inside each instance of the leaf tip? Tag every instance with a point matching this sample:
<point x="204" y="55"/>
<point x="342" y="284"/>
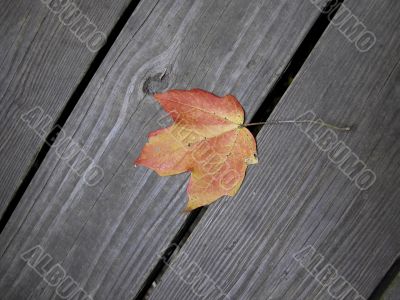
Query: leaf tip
<point x="252" y="160"/>
<point x="187" y="209"/>
<point x="137" y="161"/>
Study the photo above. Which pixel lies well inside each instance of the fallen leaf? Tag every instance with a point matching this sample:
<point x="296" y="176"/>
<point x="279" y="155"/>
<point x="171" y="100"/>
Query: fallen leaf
<point x="207" y="138"/>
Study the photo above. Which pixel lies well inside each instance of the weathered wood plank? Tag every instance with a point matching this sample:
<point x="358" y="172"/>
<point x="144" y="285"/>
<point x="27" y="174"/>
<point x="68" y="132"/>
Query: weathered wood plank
<point x="42" y="62"/>
<point x="297" y="199"/>
<point x="108" y="236"/>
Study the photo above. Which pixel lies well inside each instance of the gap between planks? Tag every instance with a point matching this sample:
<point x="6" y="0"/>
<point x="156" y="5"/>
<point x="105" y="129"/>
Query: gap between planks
<point x="386" y="282"/>
<point x="261" y="115"/>
<point x="65" y="113"/>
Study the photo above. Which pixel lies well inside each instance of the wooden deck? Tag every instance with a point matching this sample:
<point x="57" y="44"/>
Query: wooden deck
<point x="80" y="221"/>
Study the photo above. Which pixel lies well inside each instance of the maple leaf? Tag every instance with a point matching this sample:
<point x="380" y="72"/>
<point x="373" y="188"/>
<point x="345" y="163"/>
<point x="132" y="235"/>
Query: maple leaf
<point x="207" y="138"/>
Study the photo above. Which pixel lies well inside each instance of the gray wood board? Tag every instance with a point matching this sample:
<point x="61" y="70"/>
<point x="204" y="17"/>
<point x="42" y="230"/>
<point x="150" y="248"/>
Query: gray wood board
<point x="108" y="237"/>
<point x="42" y="62"/>
<point x="297" y="198"/>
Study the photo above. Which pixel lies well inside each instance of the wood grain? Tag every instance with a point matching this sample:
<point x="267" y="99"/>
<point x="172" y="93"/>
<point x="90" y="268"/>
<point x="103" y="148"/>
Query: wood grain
<point x="108" y="236"/>
<point x="296" y="198"/>
<point x="42" y="63"/>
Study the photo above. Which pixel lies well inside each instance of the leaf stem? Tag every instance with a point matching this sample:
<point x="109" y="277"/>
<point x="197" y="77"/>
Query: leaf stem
<point x="278" y="122"/>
